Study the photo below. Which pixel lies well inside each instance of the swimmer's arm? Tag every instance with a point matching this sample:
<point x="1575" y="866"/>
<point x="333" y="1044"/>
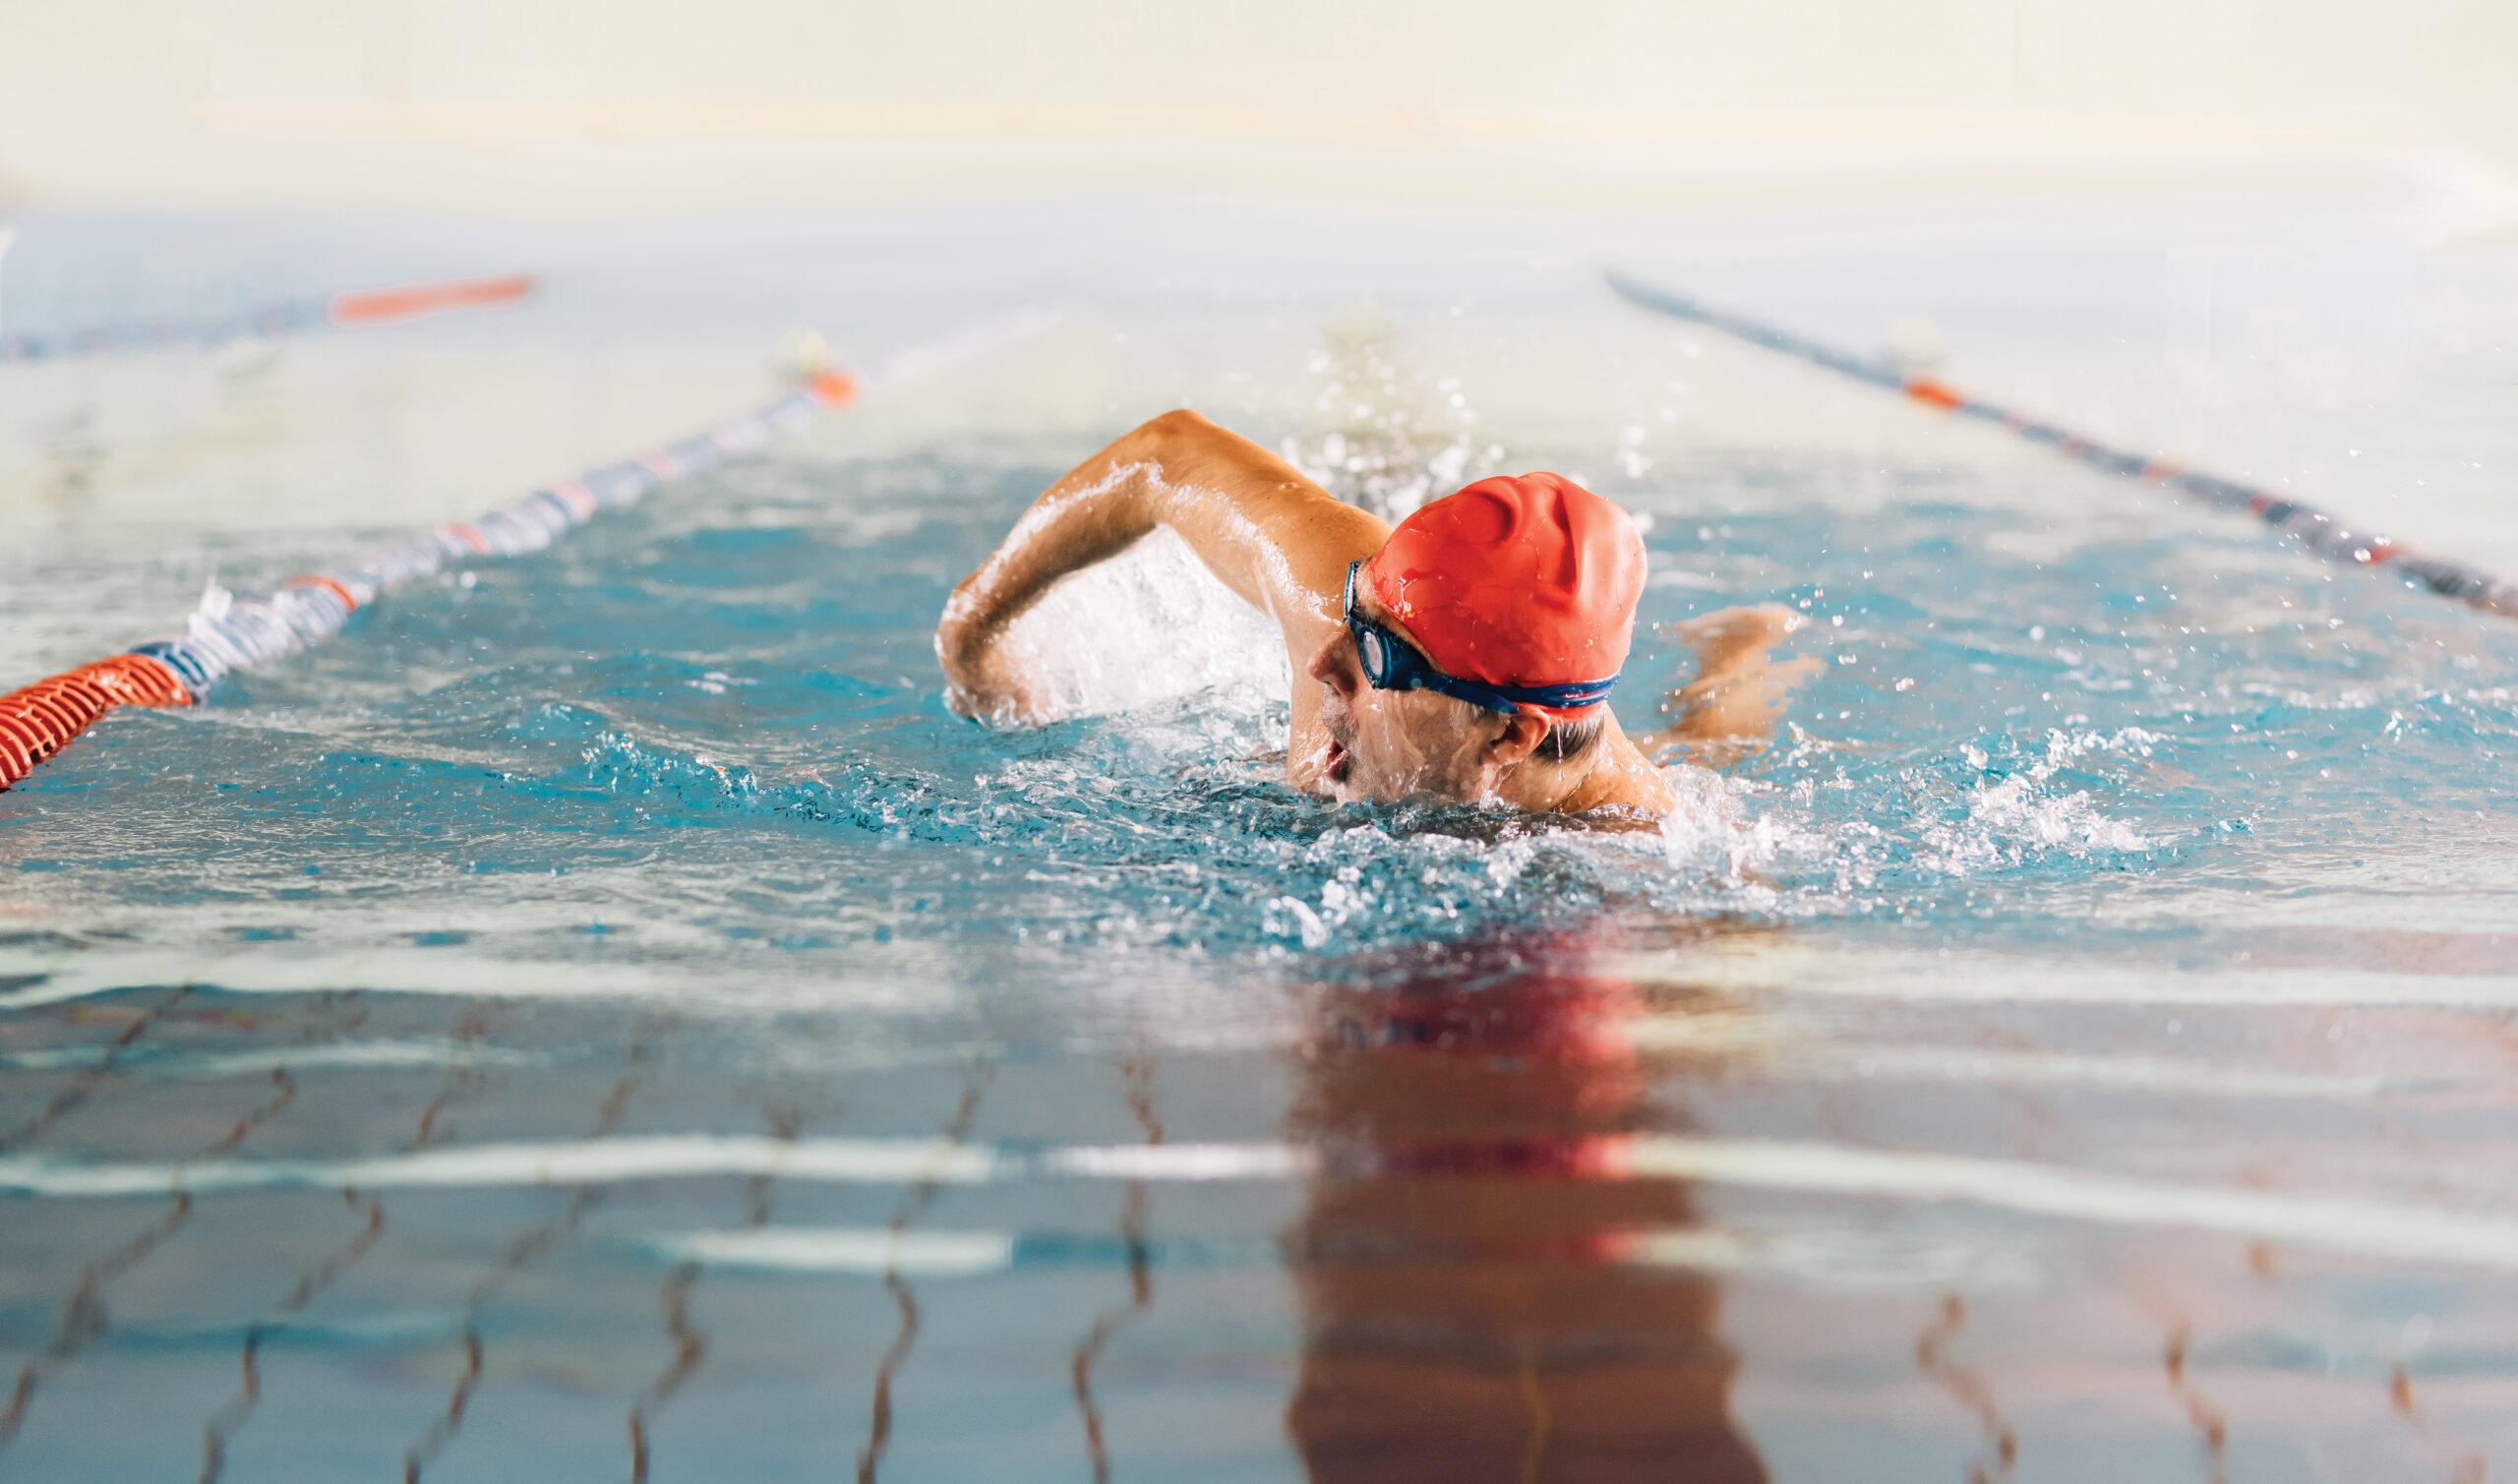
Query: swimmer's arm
<point x="1729" y="710"/>
<point x="1279" y="541"/>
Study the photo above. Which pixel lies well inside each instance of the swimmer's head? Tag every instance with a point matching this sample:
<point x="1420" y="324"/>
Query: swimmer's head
<point x="1514" y="599"/>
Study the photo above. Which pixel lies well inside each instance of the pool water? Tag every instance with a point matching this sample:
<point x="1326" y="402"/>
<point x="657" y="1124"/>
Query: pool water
<point x="602" y="1017"/>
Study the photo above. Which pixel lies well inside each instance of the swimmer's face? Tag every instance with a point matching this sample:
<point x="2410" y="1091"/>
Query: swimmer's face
<point x="1386" y="745"/>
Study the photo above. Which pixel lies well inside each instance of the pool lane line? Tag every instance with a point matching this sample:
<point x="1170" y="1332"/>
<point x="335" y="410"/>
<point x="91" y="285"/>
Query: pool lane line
<point x="389" y="304"/>
<point x="37" y="721"/>
<point x="2323" y="534"/>
<point x="228" y="637"/>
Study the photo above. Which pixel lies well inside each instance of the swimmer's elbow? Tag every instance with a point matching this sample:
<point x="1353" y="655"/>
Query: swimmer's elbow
<point x="1171" y="438"/>
<point x="1179" y="422"/>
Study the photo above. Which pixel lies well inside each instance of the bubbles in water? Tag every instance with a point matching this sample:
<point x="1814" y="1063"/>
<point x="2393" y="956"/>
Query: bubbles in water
<point x="1147" y="625"/>
<point x="1390" y="435"/>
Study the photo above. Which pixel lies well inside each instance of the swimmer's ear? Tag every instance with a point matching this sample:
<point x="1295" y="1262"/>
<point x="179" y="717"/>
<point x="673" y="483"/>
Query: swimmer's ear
<point x="1517" y="737"/>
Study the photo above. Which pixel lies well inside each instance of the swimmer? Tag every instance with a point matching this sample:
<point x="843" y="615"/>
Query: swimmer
<point x="1467" y="653"/>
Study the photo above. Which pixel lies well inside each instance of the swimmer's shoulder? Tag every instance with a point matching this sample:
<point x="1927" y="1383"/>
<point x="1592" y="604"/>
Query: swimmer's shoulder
<point x="1684" y="795"/>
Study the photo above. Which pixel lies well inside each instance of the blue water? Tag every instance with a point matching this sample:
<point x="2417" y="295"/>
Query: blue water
<point x="604" y="1008"/>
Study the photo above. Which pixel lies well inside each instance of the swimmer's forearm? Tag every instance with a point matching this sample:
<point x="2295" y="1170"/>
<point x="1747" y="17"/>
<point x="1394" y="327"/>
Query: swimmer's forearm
<point x="1099" y="510"/>
<point x="1279" y="541"/>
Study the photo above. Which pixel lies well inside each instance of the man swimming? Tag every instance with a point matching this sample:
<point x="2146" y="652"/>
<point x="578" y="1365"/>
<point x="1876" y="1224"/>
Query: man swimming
<point x="1467" y="653"/>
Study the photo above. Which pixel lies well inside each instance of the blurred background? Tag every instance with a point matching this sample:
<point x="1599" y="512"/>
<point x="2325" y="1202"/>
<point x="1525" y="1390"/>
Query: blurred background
<point x="2272" y="237"/>
<point x="569" y="106"/>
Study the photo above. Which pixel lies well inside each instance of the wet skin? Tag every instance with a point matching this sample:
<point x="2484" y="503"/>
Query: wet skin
<point x="1283" y="544"/>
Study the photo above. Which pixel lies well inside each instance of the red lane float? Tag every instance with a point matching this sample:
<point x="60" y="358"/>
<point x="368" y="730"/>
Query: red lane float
<point x="40" y="720"/>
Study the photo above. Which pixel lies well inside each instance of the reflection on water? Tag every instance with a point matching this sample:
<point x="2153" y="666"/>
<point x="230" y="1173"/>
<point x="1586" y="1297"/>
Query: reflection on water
<point x="1473" y="1302"/>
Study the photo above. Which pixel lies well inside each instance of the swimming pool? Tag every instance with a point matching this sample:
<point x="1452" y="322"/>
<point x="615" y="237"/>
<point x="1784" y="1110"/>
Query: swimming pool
<point x="603" y="1017"/>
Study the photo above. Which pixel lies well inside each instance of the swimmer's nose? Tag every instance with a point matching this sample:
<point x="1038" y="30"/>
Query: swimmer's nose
<point x="1333" y="665"/>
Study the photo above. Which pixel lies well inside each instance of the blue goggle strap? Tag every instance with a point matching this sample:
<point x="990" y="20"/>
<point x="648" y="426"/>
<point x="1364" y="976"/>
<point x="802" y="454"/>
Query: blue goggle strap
<point x="1504" y="698"/>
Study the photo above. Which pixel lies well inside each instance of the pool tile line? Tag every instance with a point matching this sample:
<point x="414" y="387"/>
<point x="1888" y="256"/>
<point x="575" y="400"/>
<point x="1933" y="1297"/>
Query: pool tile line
<point x="82" y="1315"/>
<point x="687" y="1344"/>
<point x="2212" y="1424"/>
<point x="1968" y="1387"/>
<point x="690" y="1347"/>
<point x="526" y="1248"/>
<point x="84" y="1086"/>
<point x="2466" y="1464"/>
<point x="1136" y="1074"/>
<point x="221" y="1427"/>
<point x="460" y="1080"/>
<point x="921" y="1196"/>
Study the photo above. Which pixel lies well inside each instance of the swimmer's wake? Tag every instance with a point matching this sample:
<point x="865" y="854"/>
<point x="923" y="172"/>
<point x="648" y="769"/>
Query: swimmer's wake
<point x="2325" y="535"/>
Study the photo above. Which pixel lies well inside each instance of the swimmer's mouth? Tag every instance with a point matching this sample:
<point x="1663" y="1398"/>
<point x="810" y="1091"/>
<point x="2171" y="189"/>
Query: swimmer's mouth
<point x="1335" y="763"/>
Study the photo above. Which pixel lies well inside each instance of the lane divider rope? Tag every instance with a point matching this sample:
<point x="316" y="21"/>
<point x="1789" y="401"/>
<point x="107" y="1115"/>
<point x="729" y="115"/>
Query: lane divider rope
<point x="2321" y="533"/>
<point x="356" y="309"/>
<point x="225" y="635"/>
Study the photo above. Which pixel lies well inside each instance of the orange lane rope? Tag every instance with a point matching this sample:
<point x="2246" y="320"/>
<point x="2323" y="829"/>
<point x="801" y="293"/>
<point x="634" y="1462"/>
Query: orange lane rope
<point x="357" y="308"/>
<point x="410" y="301"/>
<point x="40" y="720"/>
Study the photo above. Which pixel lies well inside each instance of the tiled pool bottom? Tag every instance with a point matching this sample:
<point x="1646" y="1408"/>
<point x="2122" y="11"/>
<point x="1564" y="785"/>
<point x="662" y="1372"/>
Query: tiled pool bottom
<point x="1461" y="1215"/>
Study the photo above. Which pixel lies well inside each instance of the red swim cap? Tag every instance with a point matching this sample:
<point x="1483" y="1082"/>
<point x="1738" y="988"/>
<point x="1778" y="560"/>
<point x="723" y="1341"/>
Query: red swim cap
<point x="1516" y="581"/>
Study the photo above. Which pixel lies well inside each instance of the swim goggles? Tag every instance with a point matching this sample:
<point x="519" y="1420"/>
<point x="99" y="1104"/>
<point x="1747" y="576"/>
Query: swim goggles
<point x="1391" y="662"/>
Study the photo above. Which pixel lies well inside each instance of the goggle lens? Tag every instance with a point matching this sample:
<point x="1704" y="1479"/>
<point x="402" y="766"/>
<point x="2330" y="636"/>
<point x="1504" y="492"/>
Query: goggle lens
<point x="1374" y="651"/>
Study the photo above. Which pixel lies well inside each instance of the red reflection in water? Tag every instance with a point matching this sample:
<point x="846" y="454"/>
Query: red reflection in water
<point x="1469" y="1309"/>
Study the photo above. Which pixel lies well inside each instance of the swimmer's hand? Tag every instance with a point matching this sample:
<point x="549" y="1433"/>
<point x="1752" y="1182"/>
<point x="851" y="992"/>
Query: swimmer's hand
<point x="981" y="681"/>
